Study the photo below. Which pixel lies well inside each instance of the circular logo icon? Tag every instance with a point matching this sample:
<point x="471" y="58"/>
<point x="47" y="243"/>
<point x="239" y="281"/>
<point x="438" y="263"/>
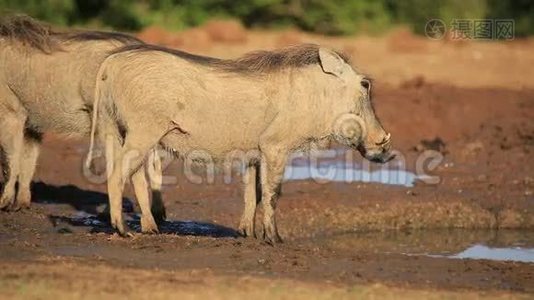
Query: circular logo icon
<point x="435" y="29"/>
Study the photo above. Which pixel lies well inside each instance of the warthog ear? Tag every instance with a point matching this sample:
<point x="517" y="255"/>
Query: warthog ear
<point x="331" y="62"/>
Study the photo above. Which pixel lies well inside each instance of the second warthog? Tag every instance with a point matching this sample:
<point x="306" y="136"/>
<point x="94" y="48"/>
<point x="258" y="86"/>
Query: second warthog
<point x="47" y="81"/>
<point x="269" y="103"/>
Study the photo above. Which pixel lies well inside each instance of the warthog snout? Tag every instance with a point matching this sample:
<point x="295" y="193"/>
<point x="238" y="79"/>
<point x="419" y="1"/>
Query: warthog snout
<point x="379" y="152"/>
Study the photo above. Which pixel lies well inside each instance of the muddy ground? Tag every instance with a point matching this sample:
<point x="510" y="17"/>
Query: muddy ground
<point x="483" y="129"/>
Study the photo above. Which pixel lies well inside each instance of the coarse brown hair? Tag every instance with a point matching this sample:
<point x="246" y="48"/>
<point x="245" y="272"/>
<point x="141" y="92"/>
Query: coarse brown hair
<point x="30" y="32"/>
<point x="253" y="62"/>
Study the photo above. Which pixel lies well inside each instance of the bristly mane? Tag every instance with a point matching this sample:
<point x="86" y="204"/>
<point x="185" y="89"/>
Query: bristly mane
<point x="27" y="31"/>
<point x="253" y="62"/>
<point x="35" y="34"/>
<point x="83" y="35"/>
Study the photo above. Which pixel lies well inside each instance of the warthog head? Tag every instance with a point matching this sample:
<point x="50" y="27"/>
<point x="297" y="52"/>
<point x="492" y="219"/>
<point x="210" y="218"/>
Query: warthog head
<point x="357" y="126"/>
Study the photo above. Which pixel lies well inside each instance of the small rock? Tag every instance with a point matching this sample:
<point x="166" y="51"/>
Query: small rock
<point x="436" y="144"/>
<point x="473" y="148"/>
<point x="419" y="148"/>
<point x="64" y="230"/>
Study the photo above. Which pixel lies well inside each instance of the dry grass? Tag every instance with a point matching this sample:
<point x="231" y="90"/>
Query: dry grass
<point x="75" y="280"/>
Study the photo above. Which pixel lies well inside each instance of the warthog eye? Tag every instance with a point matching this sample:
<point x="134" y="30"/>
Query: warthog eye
<point x="366" y="83"/>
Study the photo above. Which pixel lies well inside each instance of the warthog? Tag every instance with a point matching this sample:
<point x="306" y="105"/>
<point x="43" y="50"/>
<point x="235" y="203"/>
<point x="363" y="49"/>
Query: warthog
<point x="267" y="103"/>
<point x="47" y="81"/>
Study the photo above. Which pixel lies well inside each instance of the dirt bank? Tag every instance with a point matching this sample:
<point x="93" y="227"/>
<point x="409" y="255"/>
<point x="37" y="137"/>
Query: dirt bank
<point x="72" y="279"/>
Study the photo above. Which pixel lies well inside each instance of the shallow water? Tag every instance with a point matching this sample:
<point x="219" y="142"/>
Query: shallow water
<point x="182" y="227"/>
<point x="504" y="245"/>
<point x="485" y="252"/>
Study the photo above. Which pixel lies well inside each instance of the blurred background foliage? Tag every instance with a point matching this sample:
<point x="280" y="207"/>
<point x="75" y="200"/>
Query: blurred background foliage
<point x="322" y="16"/>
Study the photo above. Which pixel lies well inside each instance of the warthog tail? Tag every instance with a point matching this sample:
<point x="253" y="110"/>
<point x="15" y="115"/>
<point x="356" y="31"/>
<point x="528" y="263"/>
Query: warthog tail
<point x="94" y="121"/>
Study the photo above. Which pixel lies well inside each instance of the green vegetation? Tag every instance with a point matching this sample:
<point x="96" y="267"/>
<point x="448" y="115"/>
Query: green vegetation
<point x="329" y="17"/>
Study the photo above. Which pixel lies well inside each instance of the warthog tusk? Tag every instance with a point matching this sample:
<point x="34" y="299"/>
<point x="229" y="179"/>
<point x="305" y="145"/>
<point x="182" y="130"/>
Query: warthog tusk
<point x="386" y="140"/>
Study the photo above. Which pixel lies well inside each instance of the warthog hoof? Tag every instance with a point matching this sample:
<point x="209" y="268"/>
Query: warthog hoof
<point x="6" y="202"/>
<point x="22" y="201"/>
<point x="126" y="234"/>
<point x="148" y="226"/>
<point x="271" y="237"/>
<point x="159" y="213"/>
<point x="120" y="227"/>
<point x="18" y="205"/>
<point x="247" y="230"/>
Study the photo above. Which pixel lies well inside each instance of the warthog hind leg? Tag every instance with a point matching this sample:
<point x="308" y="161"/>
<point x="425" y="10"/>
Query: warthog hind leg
<point x="27" y="169"/>
<point x="117" y="174"/>
<point x="11" y="144"/>
<point x="148" y="225"/>
<point x="115" y="189"/>
<point x="126" y="162"/>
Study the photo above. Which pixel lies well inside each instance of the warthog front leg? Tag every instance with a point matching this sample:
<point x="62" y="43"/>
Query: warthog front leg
<point x="272" y="172"/>
<point x="115" y="189"/>
<point x="11" y="144"/>
<point x="27" y="169"/>
<point x="252" y="196"/>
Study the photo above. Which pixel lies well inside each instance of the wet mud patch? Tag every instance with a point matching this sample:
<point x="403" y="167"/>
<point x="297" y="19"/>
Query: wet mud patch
<point x="100" y="224"/>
